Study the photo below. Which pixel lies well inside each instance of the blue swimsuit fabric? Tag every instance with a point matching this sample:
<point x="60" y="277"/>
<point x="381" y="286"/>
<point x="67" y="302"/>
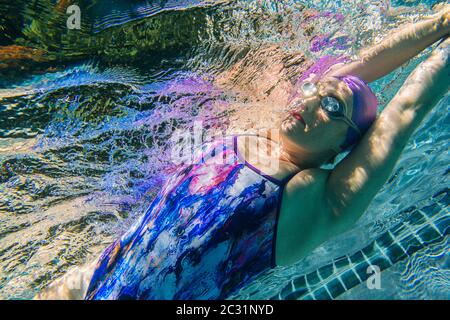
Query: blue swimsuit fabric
<point x="209" y="231"/>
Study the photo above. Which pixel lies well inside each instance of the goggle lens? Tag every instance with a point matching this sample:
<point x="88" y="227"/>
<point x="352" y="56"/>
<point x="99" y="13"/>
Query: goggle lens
<point x="308" y="89"/>
<point x="332" y="105"/>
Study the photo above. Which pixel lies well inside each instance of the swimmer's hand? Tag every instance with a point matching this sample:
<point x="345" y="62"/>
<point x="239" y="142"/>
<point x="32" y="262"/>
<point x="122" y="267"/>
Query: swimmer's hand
<point x="72" y="286"/>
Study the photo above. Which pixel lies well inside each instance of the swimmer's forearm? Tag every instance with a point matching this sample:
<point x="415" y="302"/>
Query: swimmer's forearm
<point x="397" y="48"/>
<point x="356" y="180"/>
<point x="426" y="85"/>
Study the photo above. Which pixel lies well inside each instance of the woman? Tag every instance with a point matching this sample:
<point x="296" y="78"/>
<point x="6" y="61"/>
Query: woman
<point x="239" y="210"/>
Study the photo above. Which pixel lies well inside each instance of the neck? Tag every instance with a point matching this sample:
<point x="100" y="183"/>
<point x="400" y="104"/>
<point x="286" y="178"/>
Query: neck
<point x="293" y="154"/>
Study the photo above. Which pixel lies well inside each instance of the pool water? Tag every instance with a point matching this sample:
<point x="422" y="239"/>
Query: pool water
<point x="87" y="117"/>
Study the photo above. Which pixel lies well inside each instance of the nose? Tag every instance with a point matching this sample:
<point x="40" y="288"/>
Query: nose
<point x="309" y="105"/>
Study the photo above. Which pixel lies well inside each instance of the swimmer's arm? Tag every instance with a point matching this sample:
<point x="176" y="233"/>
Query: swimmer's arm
<point x="396" y="49"/>
<point x="356" y="180"/>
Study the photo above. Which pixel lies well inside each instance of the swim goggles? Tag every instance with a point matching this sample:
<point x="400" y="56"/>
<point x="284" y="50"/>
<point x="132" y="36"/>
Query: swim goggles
<point x="333" y="107"/>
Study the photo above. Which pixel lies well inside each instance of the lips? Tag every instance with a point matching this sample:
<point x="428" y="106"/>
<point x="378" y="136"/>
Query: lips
<point x="298" y="116"/>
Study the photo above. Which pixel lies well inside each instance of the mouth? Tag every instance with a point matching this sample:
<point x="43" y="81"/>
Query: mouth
<point x="299" y="117"/>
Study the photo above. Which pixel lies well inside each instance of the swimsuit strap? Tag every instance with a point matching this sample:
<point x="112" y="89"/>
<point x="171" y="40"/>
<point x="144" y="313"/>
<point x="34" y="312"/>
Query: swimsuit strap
<point x="252" y="167"/>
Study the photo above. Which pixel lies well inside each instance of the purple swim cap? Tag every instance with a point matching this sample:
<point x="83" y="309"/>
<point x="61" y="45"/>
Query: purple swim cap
<point x="364" y="108"/>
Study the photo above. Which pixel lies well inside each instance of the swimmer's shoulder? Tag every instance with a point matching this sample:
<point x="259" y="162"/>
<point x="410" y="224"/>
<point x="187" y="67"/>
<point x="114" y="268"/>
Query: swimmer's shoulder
<point x="305" y="193"/>
<point x="309" y="178"/>
<point x="303" y="221"/>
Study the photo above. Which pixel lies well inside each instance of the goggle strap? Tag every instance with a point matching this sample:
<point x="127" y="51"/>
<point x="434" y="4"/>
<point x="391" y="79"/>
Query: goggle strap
<point x="352" y="125"/>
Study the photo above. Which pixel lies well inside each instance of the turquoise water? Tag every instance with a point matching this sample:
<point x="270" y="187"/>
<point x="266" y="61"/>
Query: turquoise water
<point x="86" y="121"/>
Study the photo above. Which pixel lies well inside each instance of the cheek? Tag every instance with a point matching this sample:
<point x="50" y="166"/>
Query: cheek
<point x="338" y="134"/>
<point x="329" y="134"/>
<point x="322" y="126"/>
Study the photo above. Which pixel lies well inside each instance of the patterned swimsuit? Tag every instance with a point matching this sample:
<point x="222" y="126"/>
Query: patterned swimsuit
<point x="210" y="230"/>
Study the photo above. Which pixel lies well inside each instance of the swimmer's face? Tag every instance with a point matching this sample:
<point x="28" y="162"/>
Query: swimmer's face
<point x="309" y="126"/>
